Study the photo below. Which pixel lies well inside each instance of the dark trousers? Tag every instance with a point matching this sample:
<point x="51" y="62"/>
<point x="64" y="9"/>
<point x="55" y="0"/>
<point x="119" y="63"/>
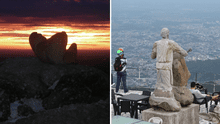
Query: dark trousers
<point x="121" y="75"/>
<point x="208" y="98"/>
<point x="112" y="78"/>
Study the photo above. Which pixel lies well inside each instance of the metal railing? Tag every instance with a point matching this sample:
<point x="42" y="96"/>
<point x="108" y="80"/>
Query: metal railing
<point x="139" y="77"/>
<point x="210" y="81"/>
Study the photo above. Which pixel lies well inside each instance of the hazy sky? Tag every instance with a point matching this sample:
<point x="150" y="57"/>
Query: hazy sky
<point x="166" y="4"/>
<point x="85" y="21"/>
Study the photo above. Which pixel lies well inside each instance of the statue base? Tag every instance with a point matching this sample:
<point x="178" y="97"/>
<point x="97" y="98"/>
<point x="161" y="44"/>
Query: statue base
<point x="187" y="115"/>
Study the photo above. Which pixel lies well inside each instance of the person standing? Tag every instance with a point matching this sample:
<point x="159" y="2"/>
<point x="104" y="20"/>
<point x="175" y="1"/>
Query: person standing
<point x="120" y="67"/>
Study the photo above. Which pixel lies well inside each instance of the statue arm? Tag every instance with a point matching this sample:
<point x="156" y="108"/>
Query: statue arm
<point x="179" y="49"/>
<point x="154" y="51"/>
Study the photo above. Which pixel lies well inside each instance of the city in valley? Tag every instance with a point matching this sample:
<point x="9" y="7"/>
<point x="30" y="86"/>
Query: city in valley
<point x="137" y="25"/>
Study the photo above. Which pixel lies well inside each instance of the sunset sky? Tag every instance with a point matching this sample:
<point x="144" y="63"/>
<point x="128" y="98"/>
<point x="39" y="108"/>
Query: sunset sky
<point x="86" y="22"/>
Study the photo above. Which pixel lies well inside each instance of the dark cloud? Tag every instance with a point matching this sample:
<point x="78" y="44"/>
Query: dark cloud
<point x="76" y="10"/>
<point x="44" y="21"/>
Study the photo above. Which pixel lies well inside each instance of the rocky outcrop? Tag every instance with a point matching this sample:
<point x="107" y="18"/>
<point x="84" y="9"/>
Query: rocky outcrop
<point x="4" y="106"/>
<point x="35" y="39"/>
<point x="56" y="47"/>
<point x="95" y="113"/>
<point x="52" y="50"/>
<point x="39" y="44"/>
<point x="83" y="87"/>
<point x="181" y="75"/>
<point x="71" y="54"/>
<point x="25" y="110"/>
<point x="57" y="85"/>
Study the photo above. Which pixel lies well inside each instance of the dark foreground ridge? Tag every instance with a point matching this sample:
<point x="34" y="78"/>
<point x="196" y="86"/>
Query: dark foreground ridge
<point x="69" y="93"/>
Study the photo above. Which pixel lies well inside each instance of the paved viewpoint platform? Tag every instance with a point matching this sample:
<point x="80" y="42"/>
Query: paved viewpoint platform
<point x="187" y="115"/>
<point x="125" y="120"/>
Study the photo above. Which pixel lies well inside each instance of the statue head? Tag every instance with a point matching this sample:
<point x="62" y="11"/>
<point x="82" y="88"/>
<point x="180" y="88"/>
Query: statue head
<point x="165" y="33"/>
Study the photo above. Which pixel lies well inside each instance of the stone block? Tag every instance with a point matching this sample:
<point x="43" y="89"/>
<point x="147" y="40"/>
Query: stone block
<point x="183" y="95"/>
<point x="187" y="115"/>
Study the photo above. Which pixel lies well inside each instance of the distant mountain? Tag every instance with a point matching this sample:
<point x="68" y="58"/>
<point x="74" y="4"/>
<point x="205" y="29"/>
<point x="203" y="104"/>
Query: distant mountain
<point x="208" y="66"/>
<point x="211" y="83"/>
<point x="208" y="70"/>
<point x="211" y="86"/>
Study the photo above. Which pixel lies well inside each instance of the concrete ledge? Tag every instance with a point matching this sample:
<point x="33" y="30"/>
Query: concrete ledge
<point x="187" y="115"/>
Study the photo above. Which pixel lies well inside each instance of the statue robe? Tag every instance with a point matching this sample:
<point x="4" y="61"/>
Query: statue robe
<point x="163" y="96"/>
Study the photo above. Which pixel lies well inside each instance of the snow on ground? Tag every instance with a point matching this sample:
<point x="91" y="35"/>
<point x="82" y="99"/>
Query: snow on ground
<point x="35" y="104"/>
<point x="121" y="91"/>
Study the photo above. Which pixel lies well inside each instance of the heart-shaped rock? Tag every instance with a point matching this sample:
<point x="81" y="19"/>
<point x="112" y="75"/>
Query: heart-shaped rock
<point x="35" y="39"/>
<point x="56" y="47"/>
<point x="51" y="50"/>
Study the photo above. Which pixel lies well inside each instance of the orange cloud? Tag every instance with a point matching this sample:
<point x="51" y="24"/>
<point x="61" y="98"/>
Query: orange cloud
<point x="94" y="35"/>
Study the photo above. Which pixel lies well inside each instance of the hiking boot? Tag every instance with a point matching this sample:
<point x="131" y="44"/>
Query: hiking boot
<point x="126" y="92"/>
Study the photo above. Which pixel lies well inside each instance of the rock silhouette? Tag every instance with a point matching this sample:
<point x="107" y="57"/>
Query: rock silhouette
<point x="38" y="44"/>
<point x="35" y="39"/>
<point x="71" y="54"/>
<point x="53" y="50"/>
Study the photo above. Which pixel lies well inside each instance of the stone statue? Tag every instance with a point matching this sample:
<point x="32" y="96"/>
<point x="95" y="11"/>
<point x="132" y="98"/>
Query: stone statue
<point x="163" y="96"/>
<point x="181" y="75"/>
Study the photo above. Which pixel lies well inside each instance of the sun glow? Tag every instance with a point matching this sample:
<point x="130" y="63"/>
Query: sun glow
<point x="88" y="36"/>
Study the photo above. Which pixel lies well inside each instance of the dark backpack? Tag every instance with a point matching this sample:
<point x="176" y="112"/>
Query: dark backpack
<point x="117" y="64"/>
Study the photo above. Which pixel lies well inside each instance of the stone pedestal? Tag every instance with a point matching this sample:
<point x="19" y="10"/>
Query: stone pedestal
<point x="187" y="115"/>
